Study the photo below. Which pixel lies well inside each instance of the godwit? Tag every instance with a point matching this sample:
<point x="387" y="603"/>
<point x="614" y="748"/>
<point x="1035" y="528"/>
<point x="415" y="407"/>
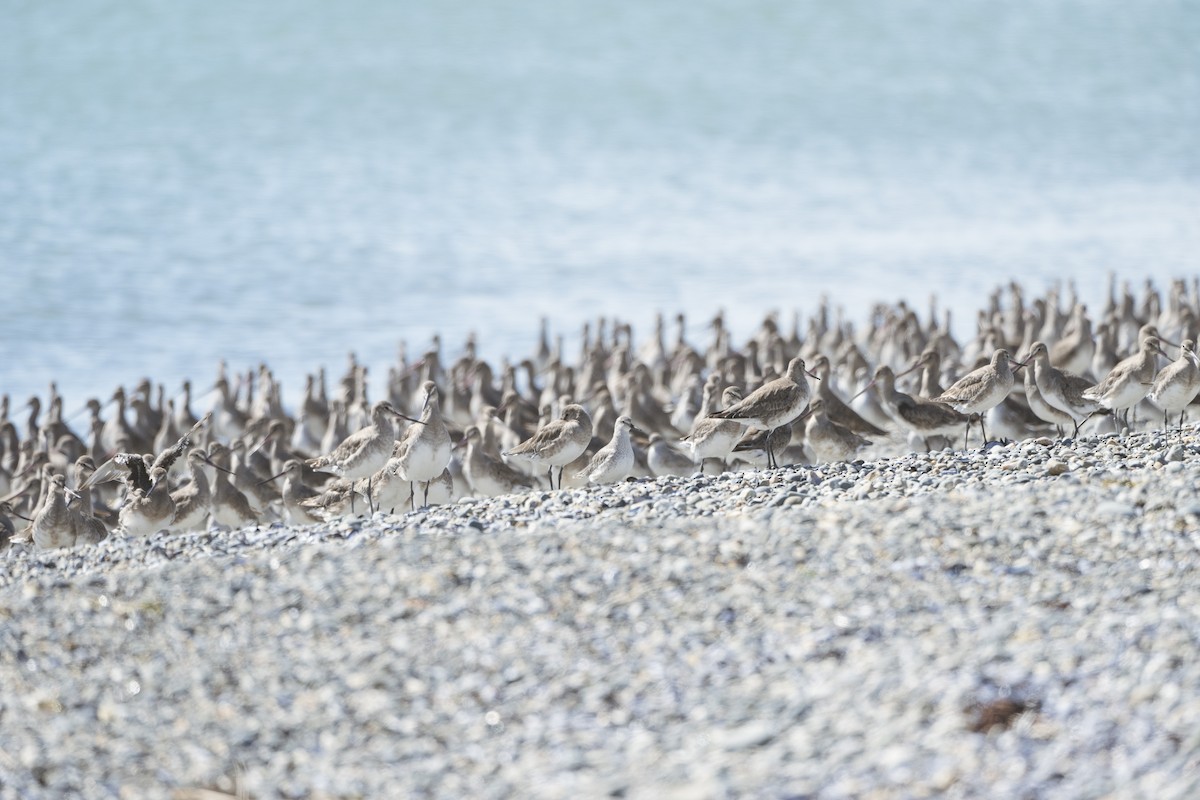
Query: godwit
<point x="980" y="390"/>
<point x="486" y="475"/>
<point x="1178" y="383"/>
<point x="1130" y="380"/>
<point x="557" y="443"/>
<point x="774" y="404"/>
<point x="828" y="440"/>
<point x="923" y="417"/>
<point x="424" y="452"/>
<point x="1059" y="389"/>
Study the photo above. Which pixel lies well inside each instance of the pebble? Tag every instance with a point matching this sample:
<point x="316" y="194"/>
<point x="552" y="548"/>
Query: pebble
<point x="971" y="626"/>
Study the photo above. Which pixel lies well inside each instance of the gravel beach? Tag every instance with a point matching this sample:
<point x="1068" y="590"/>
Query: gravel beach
<point x="1017" y="622"/>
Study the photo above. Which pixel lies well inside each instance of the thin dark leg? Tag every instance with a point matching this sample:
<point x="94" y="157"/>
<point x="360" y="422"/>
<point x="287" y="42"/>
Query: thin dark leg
<point x="967" y="434"/>
<point x="551" y="476"/>
<point x="412" y="496"/>
<point x="426" y="503"/>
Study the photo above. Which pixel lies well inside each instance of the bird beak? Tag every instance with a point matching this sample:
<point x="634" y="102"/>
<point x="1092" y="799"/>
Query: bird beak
<point x="406" y="417"/>
<point x="863" y="390"/>
<point x="273" y="477"/>
<point x="812" y="374"/>
<point x="1016" y="365"/>
<point x="913" y="368"/>
<point x="215" y="466"/>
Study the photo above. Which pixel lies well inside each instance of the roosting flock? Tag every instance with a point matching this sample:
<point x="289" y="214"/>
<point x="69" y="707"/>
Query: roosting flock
<point x="663" y="406"/>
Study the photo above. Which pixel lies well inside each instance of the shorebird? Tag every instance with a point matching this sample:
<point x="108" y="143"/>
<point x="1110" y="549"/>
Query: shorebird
<point x="774" y="404"/>
<point x="1130" y="380"/>
<point x="58" y="525"/>
<point x="295" y="492"/>
<point x="1061" y="390"/>
<point x="666" y="460"/>
<point x="424" y="452"/>
<point x="828" y="440"/>
<point x="364" y="452"/>
<point x="716" y="438"/>
<point x="1040" y="408"/>
<point x="230" y="508"/>
<point x="614" y="462"/>
<point x="148" y="510"/>
<point x="980" y="390"/>
<point x="757" y="444"/>
<point x="486" y="475"/>
<point x="1177" y="384"/>
<point x="835" y="408"/>
<point x="1074" y="351"/>
<point x="557" y="443"/>
<point x="925" y="418"/>
<point x="390" y="491"/>
<point x="193" y="501"/>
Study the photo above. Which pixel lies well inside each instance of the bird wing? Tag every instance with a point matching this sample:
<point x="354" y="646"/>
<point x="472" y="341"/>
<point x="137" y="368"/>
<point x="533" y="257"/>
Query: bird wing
<point x="534" y="444"/>
<point x="963" y="388"/>
<point x="169" y="456"/>
<point x="112" y="470"/>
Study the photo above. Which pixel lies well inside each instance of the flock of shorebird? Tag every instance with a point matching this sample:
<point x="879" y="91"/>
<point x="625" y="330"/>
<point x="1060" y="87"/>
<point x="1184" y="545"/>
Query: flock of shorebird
<point x="449" y="430"/>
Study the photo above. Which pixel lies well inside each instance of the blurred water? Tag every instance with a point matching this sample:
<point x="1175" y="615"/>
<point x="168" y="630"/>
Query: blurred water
<point x="182" y="182"/>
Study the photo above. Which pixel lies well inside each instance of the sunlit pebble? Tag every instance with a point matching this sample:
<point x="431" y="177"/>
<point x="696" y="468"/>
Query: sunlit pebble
<point x="492" y="718"/>
<point x="133" y="688"/>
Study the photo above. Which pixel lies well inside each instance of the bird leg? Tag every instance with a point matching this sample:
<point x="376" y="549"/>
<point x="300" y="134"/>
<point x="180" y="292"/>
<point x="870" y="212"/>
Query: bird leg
<point x="425" y="504"/>
<point x="551" y="476"/>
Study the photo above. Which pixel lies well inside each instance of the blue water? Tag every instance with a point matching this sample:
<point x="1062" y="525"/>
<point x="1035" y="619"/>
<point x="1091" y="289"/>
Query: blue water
<point x="182" y="182"/>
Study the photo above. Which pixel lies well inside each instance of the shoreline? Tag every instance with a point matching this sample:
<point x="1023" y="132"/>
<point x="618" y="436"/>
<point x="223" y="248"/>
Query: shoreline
<point x="1011" y="621"/>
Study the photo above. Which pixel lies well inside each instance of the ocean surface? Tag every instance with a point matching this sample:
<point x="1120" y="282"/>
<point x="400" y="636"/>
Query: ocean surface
<point x="184" y="182"/>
